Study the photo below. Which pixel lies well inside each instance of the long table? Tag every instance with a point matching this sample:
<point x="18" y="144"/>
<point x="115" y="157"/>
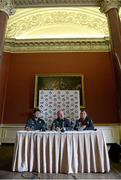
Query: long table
<point x="57" y="152"/>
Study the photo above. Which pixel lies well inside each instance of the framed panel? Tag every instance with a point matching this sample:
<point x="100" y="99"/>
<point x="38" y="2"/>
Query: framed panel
<point x="59" y="82"/>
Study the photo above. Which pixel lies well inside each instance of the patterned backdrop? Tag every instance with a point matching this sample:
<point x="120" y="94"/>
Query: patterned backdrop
<point x="51" y="101"/>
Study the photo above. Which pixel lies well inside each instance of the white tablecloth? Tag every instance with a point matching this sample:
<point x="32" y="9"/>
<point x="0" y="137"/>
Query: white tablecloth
<point x="54" y="152"/>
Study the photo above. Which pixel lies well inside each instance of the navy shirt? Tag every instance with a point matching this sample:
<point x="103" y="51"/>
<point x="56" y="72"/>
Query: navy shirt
<point x="36" y="124"/>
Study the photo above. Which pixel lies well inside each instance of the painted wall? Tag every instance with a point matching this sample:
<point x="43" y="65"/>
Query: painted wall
<point x="99" y="82"/>
<point x="4" y="68"/>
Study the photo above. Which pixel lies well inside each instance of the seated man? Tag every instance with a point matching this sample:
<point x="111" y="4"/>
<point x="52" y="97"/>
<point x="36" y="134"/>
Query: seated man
<point x="35" y="123"/>
<point x="61" y="123"/>
<point x="84" y="123"/>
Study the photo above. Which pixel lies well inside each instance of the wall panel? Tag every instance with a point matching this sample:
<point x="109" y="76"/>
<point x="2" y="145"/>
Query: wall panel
<point x="99" y="82"/>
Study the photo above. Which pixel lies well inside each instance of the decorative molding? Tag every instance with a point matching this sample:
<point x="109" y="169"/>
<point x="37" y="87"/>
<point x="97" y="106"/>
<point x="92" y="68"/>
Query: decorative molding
<point x="8" y="132"/>
<point x="57" y="23"/>
<point x="54" y="3"/>
<point x="56" y="45"/>
<point x="23" y="125"/>
<point x="7" y="6"/>
<point x="108" y="124"/>
<point x="112" y="132"/>
<point x="106" y="5"/>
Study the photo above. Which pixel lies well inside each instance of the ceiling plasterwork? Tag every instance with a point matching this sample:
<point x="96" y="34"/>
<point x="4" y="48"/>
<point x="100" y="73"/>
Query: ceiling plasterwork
<point x="41" y="23"/>
<point x="57" y="29"/>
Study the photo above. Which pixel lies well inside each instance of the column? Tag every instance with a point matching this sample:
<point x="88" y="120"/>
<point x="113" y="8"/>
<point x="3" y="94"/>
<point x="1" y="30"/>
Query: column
<point x="6" y="9"/>
<point x="111" y="9"/>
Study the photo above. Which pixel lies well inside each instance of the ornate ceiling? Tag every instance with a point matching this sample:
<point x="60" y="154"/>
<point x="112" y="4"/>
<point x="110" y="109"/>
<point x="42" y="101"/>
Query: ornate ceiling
<point x="39" y="24"/>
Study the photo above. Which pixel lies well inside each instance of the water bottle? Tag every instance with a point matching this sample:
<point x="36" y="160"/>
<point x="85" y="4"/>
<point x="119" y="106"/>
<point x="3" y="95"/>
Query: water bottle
<point x="63" y="129"/>
<point x="79" y="126"/>
<point x="53" y="127"/>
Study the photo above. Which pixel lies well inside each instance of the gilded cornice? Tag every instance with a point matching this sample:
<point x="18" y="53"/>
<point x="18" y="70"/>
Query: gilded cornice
<point x="7" y="6"/>
<point x="54" y="3"/>
<point x="56" y="45"/>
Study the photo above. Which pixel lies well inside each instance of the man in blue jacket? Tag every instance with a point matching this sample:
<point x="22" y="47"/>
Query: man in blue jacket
<point x="35" y="122"/>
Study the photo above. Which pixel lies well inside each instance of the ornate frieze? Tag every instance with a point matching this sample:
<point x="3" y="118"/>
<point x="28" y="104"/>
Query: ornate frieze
<point x="7" y="6"/>
<point x="53" y="3"/>
<point x="106" y="5"/>
<point x="56" y="3"/>
<point x="57" y="22"/>
<point x="56" y="45"/>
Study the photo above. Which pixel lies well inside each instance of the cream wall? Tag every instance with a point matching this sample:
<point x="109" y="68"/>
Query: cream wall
<point x="112" y="133"/>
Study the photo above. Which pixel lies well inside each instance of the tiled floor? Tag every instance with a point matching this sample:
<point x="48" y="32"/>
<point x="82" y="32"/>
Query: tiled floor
<point x="6" y="152"/>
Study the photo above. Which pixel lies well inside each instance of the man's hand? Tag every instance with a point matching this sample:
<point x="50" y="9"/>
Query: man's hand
<point x="58" y="129"/>
<point x="28" y="129"/>
<point x="84" y="126"/>
<point x="63" y="129"/>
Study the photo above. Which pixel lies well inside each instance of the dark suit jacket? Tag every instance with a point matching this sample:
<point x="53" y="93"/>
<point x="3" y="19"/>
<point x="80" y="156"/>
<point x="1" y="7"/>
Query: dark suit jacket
<point x="66" y="123"/>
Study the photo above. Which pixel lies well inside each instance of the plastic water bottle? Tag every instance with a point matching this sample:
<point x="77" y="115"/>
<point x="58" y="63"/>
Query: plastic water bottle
<point x="53" y="127"/>
<point x="63" y="128"/>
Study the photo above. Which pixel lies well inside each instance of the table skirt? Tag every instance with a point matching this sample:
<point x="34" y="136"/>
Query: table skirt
<point x="68" y="152"/>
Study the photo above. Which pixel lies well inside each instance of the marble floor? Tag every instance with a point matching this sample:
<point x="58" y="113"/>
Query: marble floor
<point x="6" y="152"/>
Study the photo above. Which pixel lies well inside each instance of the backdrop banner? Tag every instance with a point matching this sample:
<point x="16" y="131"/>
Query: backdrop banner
<point x="51" y="101"/>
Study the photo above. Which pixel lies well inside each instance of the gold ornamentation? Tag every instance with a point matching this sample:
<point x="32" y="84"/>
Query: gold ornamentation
<point x="106" y="5"/>
<point x="54" y="3"/>
<point x="57" y="45"/>
<point x="7" y="7"/>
